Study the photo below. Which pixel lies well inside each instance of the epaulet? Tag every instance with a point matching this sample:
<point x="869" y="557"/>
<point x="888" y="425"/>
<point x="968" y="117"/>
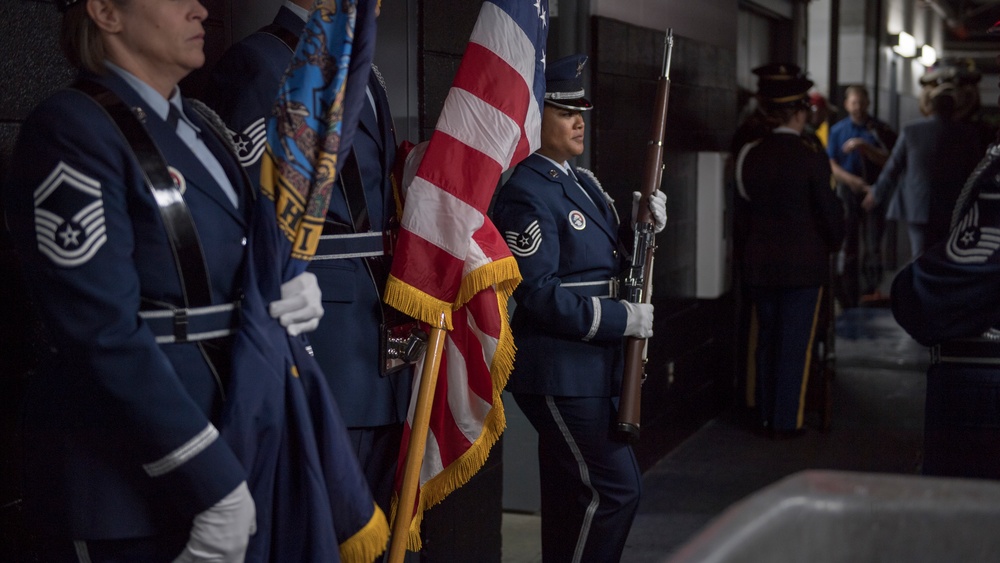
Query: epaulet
<point x="215" y="122"/>
<point x="597" y="183"/>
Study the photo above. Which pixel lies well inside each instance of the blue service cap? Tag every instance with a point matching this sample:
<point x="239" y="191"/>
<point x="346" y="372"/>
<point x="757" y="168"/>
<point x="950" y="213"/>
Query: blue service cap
<point x="564" y="83"/>
<point x="64" y="5"/>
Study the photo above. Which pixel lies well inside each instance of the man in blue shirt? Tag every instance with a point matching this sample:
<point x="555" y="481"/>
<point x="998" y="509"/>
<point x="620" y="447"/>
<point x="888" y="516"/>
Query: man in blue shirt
<point x="858" y="147"/>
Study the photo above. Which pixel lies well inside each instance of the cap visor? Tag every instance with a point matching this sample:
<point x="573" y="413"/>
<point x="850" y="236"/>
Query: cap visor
<point x="579" y="104"/>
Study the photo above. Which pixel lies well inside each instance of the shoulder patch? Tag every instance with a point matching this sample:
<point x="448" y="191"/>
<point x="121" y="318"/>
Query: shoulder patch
<point x="971" y="242"/>
<point x="250" y="142"/>
<point x="69" y="217"/>
<point x="524" y="243"/>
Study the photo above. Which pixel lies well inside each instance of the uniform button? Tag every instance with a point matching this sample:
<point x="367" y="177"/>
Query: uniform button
<point x="243" y="241"/>
<point x="614" y="253"/>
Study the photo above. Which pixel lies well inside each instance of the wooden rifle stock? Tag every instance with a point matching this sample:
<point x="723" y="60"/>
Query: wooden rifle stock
<point x="638" y="283"/>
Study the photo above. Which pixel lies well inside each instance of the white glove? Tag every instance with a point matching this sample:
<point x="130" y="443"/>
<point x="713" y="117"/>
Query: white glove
<point x="221" y="533"/>
<point x="300" y="306"/>
<point x="657" y="206"/>
<point x="640" y="319"/>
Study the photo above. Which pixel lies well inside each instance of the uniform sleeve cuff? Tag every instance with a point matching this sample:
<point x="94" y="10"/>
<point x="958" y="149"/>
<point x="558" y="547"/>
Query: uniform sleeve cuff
<point x="203" y="479"/>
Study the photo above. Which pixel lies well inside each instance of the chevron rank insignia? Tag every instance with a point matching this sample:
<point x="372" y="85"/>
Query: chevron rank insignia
<point x="250" y="142"/>
<point x="525" y="243"/>
<point x="69" y="217"/>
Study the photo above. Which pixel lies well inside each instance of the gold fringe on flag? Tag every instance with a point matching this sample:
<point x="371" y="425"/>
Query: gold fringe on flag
<point x="459" y="472"/>
<point x="416" y="303"/>
<point x="368" y="543"/>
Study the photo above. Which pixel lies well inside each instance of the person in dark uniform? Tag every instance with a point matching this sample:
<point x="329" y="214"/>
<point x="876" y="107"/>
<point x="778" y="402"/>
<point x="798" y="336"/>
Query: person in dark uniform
<point x="138" y="288"/>
<point x="757" y="124"/>
<point x="790" y="221"/>
<point x="350" y="264"/>
<point x="568" y="326"/>
<point x="947" y="299"/>
<point x="755" y="127"/>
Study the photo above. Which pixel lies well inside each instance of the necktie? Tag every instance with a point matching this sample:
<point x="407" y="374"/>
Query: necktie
<point x="173" y="116"/>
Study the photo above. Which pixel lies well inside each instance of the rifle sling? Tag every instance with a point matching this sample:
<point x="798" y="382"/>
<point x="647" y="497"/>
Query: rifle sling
<point x="177" y="221"/>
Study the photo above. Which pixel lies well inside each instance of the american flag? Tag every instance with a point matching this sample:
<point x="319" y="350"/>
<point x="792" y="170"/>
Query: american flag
<point x="451" y="262"/>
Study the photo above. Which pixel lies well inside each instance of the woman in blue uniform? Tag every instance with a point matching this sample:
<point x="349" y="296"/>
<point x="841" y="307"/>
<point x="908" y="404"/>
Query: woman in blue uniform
<point x="789" y="221"/>
<point x="568" y="326"/>
<point x="138" y="286"/>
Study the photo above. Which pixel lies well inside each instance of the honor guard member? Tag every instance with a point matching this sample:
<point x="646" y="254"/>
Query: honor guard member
<point x="352" y="343"/>
<point x="244" y="83"/>
<point x="753" y="128"/>
<point x="790" y="221"/>
<point x="947" y="299"/>
<point x="131" y="215"/>
<point x="568" y="326"/>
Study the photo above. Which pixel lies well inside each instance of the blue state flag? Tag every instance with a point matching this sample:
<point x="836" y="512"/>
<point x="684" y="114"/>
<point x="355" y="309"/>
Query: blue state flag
<point x="313" y="502"/>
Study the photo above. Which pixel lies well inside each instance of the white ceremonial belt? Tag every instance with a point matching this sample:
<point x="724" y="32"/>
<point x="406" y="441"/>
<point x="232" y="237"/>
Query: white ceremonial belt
<point x="351" y="245"/>
<point x="194" y="324"/>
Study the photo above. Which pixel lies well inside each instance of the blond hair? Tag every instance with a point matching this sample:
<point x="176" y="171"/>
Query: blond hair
<point x="80" y="39"/>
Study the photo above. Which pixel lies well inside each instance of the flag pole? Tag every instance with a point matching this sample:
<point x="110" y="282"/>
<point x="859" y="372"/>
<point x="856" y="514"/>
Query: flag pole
<point x="418" y="442"/>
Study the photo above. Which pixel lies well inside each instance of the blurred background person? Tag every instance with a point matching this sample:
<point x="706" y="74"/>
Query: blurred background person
<point x="858" y="147"/>
<point x="930" y="162"/>
<point x="820" y="113"/>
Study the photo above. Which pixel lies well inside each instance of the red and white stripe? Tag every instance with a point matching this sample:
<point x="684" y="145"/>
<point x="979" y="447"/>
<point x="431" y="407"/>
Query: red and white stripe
<point x="490" y="121"/>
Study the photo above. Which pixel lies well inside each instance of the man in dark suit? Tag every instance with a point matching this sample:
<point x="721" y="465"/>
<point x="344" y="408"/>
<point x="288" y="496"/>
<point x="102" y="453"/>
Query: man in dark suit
<point x="351" y="264"/>
<point x="926" y="170"/>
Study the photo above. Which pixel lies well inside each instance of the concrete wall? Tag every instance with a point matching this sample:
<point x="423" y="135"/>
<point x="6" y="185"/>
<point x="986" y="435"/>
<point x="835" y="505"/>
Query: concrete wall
<point x="708" y="21"/>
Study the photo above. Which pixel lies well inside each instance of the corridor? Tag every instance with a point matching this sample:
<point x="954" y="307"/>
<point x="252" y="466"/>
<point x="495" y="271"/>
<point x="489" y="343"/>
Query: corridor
<point x="878" y="393"/>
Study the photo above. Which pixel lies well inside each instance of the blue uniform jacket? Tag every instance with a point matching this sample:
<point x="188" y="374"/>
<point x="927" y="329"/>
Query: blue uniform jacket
<point x="567" y="328"/>
<point x="347" y="340"/>
<point x="346" y="344"/>
<point x="118" y="429"/>
<point x="244" y="84"/>
<point x="951" y="290"/>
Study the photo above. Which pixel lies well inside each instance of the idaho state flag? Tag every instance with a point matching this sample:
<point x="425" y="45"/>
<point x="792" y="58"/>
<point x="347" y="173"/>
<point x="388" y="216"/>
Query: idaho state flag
<point x="313" y="502"/>
<point x="450" y="262"/>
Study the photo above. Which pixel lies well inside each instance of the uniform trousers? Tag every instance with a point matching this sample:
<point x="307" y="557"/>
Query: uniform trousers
<point x="377" y="449"/>
<point x="962" y="421"/>
<point x="590" y="483"/>
<point x="786" y="330"/>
